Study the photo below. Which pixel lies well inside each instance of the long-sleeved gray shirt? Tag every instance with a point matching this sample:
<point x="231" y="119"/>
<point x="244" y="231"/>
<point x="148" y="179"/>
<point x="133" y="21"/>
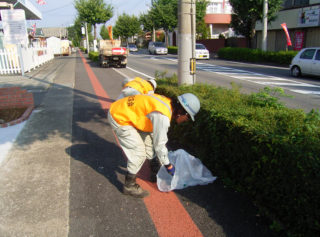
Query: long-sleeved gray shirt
<point x="161" y="124"/>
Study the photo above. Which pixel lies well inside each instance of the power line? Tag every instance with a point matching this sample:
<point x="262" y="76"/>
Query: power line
<point x="57" y="8"/>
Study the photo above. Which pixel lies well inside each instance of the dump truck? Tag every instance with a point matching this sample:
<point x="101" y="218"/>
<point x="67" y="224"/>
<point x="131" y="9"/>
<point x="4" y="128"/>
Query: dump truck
<point x="112" y="54"/>
<point x="65" y="47"/>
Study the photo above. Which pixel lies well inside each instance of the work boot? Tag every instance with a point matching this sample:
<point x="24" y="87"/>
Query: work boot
<point x="132" y="188"/>
<point x="155" y="165"/>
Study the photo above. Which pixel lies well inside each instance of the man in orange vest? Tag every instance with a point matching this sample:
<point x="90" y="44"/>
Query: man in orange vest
<point x="137" y="86"/>
<point x="141" y="123"/>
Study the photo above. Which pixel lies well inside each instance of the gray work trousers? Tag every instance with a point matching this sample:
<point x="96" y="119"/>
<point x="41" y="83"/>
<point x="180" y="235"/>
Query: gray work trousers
<point x="136" y="145"/>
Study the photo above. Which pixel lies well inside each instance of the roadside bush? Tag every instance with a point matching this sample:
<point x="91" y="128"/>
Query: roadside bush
<point x="256" y="55"/>
<point x="173" y="49"/>
<point x="257" y="146"/>
<point x="82" y="49"/>
<point x="94" y="56"/>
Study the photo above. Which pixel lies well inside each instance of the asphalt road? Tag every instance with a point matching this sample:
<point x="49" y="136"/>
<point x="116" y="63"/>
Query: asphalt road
<point x="97" y="169"/>
<point x="304" y="91"/>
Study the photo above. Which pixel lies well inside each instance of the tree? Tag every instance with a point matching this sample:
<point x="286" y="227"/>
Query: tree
<point x="75" y="32"/>
<point x="201" y="27"/>
<point x="104" y="32"/>
<point x="126" y="26"/>
<point x="146" y="21"/>
<point x="94" y="12"/>
<point x="164" y="14"/>
<point x="245" y="15"/>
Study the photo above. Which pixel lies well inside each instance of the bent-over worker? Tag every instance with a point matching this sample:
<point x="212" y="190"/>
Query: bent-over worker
<point x="137" y="86"/>
<point x="141" y="123"/>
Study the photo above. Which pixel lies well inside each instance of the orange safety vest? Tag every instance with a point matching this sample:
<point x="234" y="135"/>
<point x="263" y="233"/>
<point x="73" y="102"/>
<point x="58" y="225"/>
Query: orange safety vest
<point x="140" y="85"/>
<point x="133" y="110"/>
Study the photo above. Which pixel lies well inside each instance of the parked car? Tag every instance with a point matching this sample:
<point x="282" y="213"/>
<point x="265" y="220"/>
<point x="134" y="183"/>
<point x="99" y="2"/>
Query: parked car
<point x="307" y="61"/>
<point x="201" y="52"/>
<point x="157" y="48"/>
<point x="132" y="48"/>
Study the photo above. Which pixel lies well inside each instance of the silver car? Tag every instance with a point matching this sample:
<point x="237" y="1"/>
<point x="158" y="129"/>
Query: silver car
<point x="157" y="48"/>
<point x="307" y="61"/>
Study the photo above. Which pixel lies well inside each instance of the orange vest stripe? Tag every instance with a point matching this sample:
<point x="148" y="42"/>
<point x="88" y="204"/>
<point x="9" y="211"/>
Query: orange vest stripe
<point x="133" y="110"/>
<point x="140" y="85"/>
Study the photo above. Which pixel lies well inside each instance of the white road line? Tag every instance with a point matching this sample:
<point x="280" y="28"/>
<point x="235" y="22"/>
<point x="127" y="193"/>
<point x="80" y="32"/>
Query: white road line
<point x="261" y="65"/>
<point x="126" y="76"/>
<point x="282" y="84"/>
<point x="121" y="73"/>
<point x="263" y="78"/>
<point x="249" y="76"/>
<point x="141" y="73"/>
<point x="307" y="92"/>
<point x="260" y="78"/>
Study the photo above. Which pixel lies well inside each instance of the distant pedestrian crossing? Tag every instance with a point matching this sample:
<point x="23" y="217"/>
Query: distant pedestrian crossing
<point x="258" y="78"/>
<point x="297" y="87"/>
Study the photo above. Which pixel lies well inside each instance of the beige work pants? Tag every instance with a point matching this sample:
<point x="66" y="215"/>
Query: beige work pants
<point x="136" y="145"/>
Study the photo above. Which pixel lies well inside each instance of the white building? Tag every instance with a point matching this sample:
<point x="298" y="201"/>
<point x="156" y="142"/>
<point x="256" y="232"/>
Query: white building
<point x="218" y="18"/>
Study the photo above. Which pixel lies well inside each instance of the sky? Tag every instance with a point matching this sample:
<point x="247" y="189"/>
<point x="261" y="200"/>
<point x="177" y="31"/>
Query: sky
<point x="61" y="13"/>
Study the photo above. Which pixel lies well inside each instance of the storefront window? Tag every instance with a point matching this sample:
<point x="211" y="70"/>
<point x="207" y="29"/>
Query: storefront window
<point x="299" y="3"/>
<point x="288" y="3"/>
<point x="295" y="3"/>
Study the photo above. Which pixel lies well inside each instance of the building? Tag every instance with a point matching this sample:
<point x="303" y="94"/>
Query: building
<point x="31" y="13"/>
<point x="218" y="18"/>
<point x="302" y="18"/>
<point x="59" y="32"/>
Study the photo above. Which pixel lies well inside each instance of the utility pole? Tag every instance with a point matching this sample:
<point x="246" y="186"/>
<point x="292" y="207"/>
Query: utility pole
<point x="153" y="30"/>
<point x="186" y="41"/>
<point x="265" y="25"/>
<point x="87" y="38"/>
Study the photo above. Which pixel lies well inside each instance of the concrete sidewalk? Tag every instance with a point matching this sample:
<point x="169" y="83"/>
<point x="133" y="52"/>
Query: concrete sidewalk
<point x="37" y="81"/>
<point x="34" y="176"/>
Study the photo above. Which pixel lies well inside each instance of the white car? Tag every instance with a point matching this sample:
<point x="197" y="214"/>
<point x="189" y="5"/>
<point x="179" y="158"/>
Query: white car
<point x="307" y="61"/>
<point x="132" y="48"/>
<point x="157" y="48"/>
<point x="201" y="52"/>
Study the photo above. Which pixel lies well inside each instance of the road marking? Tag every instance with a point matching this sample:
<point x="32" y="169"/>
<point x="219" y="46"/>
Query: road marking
<point x="166" y="211"/>
<point x="257" y="78"/>
<point x="307" y="92"/>
<point x="123" y="74"/>
<point x="254" y="77"/>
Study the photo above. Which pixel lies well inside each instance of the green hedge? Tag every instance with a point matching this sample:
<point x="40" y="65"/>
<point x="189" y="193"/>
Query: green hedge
<point x="256" y="55"/>
<point x="94" y="56"/>
<point x="83" y="49"/>
<point x="259" y="147"/>
<point x="173" y="49"/>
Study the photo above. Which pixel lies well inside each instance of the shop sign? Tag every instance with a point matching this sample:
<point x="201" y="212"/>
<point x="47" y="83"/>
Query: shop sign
<point x="14" y="26"/>
<point x="298" y="40"/>
<point x="309" y="17"/>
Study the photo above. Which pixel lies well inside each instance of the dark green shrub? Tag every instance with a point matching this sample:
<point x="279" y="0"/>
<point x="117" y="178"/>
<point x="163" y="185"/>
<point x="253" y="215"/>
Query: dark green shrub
<point x="82" y="49"/>
<point x="94" y="56"/>
<point x="173" y="49"/>
<point x="259" y="147"/>
<point x="256" y="55"/>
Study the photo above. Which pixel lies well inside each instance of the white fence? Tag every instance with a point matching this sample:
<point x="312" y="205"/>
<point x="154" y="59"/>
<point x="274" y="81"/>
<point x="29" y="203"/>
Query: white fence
<point x="19" y="61"/>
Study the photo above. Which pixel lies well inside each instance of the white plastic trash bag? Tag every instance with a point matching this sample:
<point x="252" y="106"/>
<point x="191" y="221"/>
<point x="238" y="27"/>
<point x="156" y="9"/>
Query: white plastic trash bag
<point x="189" y="172"/>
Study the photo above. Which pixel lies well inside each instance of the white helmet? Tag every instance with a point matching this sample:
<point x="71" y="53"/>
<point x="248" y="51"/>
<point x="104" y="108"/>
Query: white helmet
<point x="190" y="103"/>
<point x="126" y="80"/>
<point x="154" y="83"/>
